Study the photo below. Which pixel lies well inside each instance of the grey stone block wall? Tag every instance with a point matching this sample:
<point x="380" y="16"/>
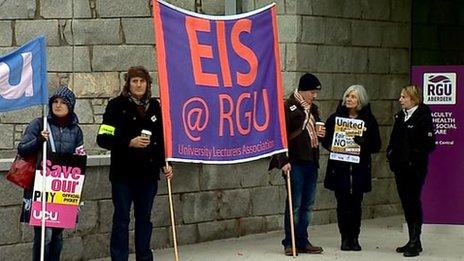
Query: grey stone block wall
<point x="343" y="42"/>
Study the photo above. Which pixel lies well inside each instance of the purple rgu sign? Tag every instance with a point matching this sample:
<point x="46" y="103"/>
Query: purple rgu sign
<point x="443" y="193"/>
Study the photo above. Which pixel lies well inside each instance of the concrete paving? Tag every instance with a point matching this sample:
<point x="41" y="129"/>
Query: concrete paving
<point x="379" y="238"/>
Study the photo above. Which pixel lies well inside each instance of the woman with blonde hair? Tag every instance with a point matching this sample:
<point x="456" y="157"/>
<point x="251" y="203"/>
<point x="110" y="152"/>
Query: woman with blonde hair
<point x="411" y="141"/>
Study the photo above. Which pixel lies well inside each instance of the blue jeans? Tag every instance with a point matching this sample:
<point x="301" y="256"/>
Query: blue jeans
<point x="143" y="195"/>
<point x="303" y="178"/>
<point x="53" y="244"/>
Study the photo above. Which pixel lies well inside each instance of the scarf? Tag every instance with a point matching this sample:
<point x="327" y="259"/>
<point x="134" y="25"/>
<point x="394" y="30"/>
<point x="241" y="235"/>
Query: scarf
<point x="141" y="105"/>
<point x="309" y="122"/>
<point x="61" y="121"/>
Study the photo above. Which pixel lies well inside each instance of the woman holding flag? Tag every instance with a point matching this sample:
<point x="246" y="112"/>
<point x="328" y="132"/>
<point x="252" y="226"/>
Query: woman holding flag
<point x="133" y="131"/>
<point x="63" y="136"/>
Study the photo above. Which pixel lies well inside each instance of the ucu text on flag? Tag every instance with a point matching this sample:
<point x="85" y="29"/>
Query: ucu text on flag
<point x="220" y="85"/>
<point x="23" y="76"/>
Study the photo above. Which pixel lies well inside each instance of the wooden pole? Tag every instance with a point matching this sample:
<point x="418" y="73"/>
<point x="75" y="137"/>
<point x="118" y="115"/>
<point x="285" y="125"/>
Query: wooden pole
<point x="290" y="211"/>
<point x="173" y="223"/>
<point x="44" y="182"/>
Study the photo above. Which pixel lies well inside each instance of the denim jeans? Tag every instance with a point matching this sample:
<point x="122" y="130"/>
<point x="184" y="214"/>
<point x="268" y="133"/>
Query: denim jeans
<point x="143" y="195"/>
<point x="53" y="244"/>
<point x="303" y="178"/>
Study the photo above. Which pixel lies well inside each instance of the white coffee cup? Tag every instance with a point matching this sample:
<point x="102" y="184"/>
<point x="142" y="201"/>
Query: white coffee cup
<point x="145" y="133"/>
<point x="319" y="126"/>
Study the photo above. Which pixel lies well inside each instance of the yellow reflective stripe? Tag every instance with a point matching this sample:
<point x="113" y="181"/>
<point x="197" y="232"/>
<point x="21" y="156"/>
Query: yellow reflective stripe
<point x="106" y="129"/>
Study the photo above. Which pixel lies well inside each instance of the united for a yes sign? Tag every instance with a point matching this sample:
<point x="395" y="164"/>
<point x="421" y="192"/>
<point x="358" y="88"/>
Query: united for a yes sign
<point x="220" y="85"/>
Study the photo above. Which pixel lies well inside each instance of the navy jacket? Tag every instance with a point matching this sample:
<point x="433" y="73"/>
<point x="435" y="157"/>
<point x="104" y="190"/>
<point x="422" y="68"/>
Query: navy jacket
<point x="67" y="138"/>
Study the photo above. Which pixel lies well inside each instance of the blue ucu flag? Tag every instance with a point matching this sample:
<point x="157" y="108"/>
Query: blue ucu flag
<point x="23" y="76"/>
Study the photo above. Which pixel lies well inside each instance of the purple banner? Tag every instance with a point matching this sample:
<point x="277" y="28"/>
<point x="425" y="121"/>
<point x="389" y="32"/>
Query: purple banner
<point x="443" y="193"/>
<point x="220" y="85"/>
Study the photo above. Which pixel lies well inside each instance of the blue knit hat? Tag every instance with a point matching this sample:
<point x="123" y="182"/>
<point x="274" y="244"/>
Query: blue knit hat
<point x="67" y="95"/>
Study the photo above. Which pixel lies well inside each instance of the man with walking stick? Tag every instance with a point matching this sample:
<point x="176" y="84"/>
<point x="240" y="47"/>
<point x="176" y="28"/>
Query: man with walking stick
<point x="304" y="128"/>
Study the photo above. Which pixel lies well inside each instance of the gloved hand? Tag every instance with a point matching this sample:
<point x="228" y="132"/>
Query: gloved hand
<point x="358" y="140"/>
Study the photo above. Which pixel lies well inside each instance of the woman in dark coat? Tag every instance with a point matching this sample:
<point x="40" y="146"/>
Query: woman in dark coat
<point x="411" y="141"/>
<point x="348" y="180"/>
<point x="68" y="139"/>
<point x="132" y="129"/>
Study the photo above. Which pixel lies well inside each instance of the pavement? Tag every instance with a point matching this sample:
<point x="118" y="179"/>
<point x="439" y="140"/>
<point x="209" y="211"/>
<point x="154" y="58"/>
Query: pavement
<point x="379" y="238"/>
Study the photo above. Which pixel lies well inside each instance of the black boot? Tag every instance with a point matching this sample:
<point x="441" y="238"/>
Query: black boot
<point x="346" y="244"/>
<point x="355" y="244"/>
<point x="401" y="249"/>
<point x="415" y="246"/>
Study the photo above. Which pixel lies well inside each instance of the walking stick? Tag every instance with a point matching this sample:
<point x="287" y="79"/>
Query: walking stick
<point x="290" y="211"/>
<point x="173" y="223"/>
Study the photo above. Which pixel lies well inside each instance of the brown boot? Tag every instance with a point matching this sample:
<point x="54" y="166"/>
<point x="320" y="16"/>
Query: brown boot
<point x="310" y="249"/>
<point x="288" y="251"/>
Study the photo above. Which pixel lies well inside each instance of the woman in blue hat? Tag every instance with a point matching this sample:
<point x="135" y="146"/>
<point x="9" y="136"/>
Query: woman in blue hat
<point x="68" y="139"/>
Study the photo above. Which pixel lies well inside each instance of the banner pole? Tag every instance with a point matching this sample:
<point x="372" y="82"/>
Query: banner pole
<point x="290" y="211"/>
<point x="44" y="182"/>
<point x="173" y="223"/>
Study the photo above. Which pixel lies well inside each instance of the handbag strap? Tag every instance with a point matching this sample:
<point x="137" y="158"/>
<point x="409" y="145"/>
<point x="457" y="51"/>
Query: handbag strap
<point x="50" y="138"/>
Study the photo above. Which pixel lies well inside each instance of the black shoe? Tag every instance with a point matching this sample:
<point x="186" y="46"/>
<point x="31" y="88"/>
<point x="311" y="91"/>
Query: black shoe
<point x="355" y="245"/>
<point x="345" y="246"/>
<point x="413" y="249"/>
<point x="402" y="248"/>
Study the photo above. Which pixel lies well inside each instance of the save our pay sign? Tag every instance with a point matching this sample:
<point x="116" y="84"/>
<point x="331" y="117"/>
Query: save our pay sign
<point x="343" y="146"/>
<point x="64" y="175"/>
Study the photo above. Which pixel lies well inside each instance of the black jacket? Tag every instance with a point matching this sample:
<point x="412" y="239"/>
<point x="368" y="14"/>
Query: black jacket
<point x="353" y="176"/>
<point x="299" y="142"/>
<point x="411" y="141"/>
<point x="132" y="163"/>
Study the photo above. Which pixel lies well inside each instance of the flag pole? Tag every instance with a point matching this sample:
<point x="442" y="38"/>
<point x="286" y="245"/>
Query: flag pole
<point x="44" y="182"/>
<point x="173" y="223"/>
<point x="290" y="211"/>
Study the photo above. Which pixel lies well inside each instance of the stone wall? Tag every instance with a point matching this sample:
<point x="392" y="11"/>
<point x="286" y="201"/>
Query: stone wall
<point x="343" y="42"/>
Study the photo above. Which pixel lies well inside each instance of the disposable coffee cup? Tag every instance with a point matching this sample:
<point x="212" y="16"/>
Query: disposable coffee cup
<point x="146" y="133"/>
<point x="319" y="126"/>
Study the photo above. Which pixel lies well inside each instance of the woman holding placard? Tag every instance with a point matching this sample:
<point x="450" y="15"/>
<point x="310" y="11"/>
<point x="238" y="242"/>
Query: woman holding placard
<point x="411" y="141"/>
<point x="350" y="180"/>
<point x="64" y="136"/>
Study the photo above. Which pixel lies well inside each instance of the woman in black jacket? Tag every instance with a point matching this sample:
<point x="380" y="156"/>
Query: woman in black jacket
<point x="132" y="129"/>
<point x="411" y="141"/>
<point x="348" y="180"/>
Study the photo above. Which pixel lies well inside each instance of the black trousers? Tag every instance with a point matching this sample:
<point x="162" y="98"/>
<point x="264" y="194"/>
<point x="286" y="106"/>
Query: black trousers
<point x="409" y="182"/>
<point x="349" y="213"/>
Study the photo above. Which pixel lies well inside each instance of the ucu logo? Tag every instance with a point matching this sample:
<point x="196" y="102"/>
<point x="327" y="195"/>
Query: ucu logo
<point x="49" y="215"/>
<point x="15" y="84"/>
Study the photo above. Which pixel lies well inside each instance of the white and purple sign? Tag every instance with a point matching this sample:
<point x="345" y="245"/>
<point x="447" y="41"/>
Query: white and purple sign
<point x="443" y="193"/>
<point x="64" y="179"/>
